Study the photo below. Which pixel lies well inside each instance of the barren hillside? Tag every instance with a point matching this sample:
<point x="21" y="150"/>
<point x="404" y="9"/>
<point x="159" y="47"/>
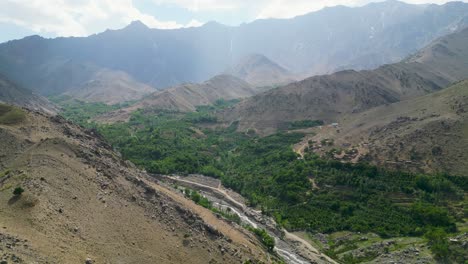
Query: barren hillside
<point x="82" y="203"/>
<point x="429" y="133"/>
<point x="110" y="87"/>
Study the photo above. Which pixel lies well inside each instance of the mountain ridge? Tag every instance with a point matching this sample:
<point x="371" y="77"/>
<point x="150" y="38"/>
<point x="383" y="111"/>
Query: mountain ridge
<point x="327" y="97"/>
<point x="260" y="71"/>
<point x="315" y="43"/>
<point x="187" y="97"/>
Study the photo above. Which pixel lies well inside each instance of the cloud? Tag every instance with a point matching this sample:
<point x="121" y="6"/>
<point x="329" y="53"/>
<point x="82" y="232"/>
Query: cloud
<point x="194" y="23"/>
<point x="77" y="17"/>
<point x="209" y="5"/>
<point x="275" y="8"/>
<point x="292" y="8"/>
<point x="85" y="17"/>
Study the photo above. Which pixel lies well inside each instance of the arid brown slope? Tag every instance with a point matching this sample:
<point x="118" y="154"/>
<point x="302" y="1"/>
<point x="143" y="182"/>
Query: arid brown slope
<point x="327" y="97"/>
<point x="110" y="87"/>
<point x="429" y="133"/>
<point x="187" y="97"/>
<point x="82" y="201"/>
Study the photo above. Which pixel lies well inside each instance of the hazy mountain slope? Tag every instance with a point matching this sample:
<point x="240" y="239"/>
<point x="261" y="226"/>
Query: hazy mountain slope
<point x="316" y="43"/>
<point x="327" y="97"/>
<point x="447" y="56"/>
<point x="82" y="201"/>
<point x="187" y="97"/>
<point x="260" y="71"/>
<point x="33" y="63"/>
<point x="13" y="94"/>
<point x="427" y="133"/>
<point x="110" y="87"/>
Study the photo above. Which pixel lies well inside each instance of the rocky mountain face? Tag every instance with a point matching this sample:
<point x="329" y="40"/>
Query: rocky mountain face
<point x="186" y="97"/>
<point x="77" y="201"/>
<point x="328" y="97"/>
<point x="110" y="87"/>
<point x="11" y="93"/>
<point x="260" y="71"/>
<point x="316" y="43"/>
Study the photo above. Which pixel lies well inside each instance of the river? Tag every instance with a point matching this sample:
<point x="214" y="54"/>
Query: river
<point x="292" y="249"/>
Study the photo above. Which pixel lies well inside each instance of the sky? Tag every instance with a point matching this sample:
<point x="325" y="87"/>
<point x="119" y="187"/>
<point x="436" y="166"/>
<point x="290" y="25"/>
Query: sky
<point x="53" y="18"/>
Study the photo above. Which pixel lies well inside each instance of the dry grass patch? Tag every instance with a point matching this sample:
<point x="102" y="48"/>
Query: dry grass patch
<point x="10" y="115"/>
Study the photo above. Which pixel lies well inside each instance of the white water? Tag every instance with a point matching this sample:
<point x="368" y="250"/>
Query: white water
<point x="243" y="217"/>
<point x="282" y="248"/>
<point x="288" y="256"/>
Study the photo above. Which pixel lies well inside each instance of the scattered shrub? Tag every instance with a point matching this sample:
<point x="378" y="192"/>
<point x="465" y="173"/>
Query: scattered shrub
<point x="18" y="191"/>
<point x="266" y="239"/>
<point x="438" y="243"/>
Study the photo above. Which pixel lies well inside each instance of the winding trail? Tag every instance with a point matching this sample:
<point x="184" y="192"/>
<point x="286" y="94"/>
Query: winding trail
<point x="300" y="147"/>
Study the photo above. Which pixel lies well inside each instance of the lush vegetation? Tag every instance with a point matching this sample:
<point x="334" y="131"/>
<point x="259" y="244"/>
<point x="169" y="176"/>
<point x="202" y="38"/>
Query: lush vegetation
<point x="266" y="171"/>
<point x="203" y="201"/>
<point x="10" y="115"/>
<point x="81" y="112"/>
<point x="357" y="197"/>
<point x="263" y="235"/>
<point x="354" y="197"/>
<point x="305" y="124"/>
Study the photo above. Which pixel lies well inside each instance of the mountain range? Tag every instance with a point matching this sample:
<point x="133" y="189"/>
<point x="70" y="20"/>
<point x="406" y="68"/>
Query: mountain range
<point x="207" y="145"/>
<point x="327" y="97"/>
<point x="316" y="43"/>
<point x="186" y="97"/>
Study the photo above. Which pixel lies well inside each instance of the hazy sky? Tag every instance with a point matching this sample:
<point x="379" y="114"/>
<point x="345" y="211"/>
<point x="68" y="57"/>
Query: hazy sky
<point x="51" y="18"/>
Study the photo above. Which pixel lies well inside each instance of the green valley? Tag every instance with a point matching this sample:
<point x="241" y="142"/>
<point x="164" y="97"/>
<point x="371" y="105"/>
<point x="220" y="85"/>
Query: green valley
<point x="312" y="194"/>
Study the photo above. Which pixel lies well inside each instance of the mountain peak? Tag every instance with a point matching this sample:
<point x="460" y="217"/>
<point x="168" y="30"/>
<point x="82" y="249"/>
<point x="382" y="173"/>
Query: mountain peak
<point x="259" y="70"/>
<point x="388" y="3"/>
<point x="137" y="25"/>
<point x="258" y="57"/>
<point x="213" y="24"/>
<point x="256" y="60"/>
